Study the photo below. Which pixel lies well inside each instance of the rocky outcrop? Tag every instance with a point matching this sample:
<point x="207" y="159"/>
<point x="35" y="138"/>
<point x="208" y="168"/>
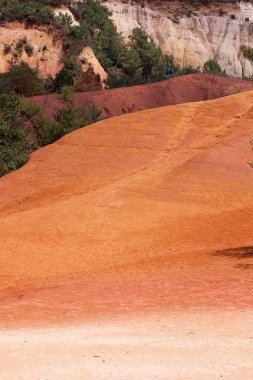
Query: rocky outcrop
<point x="88" y="58"/>
<point x="192" y="33"/>
<point x="47" y="49"/>
<point x="46" y="44"/>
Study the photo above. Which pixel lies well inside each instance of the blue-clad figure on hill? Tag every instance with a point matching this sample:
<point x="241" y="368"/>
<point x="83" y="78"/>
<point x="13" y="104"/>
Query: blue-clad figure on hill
<point x="169" y="73"/>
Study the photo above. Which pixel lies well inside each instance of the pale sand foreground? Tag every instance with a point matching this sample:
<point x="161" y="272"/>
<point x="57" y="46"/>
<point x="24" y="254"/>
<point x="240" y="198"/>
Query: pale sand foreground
<point x="189" y="345"/>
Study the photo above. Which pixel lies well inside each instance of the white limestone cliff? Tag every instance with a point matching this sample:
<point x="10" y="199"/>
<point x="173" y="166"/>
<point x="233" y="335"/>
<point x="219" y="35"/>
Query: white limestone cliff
<point x="206" y="34"/>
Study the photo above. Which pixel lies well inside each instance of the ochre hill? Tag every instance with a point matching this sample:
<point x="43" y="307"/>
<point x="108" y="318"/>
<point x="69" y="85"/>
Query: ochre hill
<point x="188" y="88"/>
<point x="145" y="212"/>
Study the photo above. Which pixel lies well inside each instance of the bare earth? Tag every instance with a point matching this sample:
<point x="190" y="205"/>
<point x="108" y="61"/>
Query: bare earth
<point x="187" y="346"/>
<point x="183" y="89"/>
<point x="130" y="241"/>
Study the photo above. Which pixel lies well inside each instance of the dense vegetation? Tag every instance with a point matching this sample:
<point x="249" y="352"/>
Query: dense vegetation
<point x="23" y="127"/>
<point x="30" y="11"/>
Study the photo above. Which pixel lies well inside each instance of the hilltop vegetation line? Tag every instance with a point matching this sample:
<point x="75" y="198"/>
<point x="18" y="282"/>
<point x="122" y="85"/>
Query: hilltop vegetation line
<point x="137" y="61"/>
<point x="23" y="127"/>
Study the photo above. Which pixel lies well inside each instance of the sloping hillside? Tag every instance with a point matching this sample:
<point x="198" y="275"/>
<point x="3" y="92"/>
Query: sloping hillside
<point x="188" y="88"/>
<point x="130" y="242"/>
<point x="143" y="212"/>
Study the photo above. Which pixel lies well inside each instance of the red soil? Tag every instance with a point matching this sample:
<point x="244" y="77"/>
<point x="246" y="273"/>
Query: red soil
<point x="189" y="88"/>
<point x="127" y="216"/>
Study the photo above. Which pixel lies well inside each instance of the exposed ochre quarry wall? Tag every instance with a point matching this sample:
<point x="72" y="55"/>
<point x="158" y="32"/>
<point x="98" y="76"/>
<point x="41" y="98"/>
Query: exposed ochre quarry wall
<point x="47" y="48"/>
<point x="46" y="43"/>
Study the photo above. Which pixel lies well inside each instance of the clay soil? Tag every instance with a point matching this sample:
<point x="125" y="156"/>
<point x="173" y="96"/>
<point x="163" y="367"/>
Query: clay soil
<point x="130" y="241"/>
<point x="189" y="88"/>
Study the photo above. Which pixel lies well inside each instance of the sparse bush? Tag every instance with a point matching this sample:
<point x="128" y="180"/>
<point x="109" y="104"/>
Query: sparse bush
<point x="7" y="49"/>
<point x="19" y="47"/>
<point x="71" y="117"/>
<point x="247" y="52"/>
<point x="64" y="20"/>
<point x="212" y="67"/>
<point x="29" y="50"/>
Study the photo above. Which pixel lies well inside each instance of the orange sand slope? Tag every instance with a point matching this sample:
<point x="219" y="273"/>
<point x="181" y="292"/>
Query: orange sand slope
<point x="149" y="211"/>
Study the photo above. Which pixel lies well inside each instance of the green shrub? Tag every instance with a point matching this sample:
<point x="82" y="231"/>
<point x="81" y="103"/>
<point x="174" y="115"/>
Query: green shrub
<point x="71" y="117"/>
<point x="19" y="47"/>
<point x="64" y="20"/>
<point x="24" y="80"/>
<point x="153" y="62"/>
<point x="247" y="52"/>
<point x="29" y="11"/>
<point x="29" y="50"/>
<point x="212" y="67"/>
<point x="7" y="49"/>
<point x="14" y="144"/>
<point x="14" y="148"/>
<point x="23" y="128"/>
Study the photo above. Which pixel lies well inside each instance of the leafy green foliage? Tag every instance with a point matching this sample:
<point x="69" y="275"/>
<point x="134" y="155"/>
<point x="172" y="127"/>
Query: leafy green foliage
<point x="70" y="75"/>
<point x="23" y="80"/>
<point x="29" y="50"/>
<point x="65" y="21"/>
<point x="153" y="62"/>
<point x="14" y="148"/>
<point x="212" y="67"/>
<point x="29" y="11"/>
<point x="23" y="128"/>
<point x="70" y="117"/>
<point x="247" y="52"/>
<point x="97" y="30"/>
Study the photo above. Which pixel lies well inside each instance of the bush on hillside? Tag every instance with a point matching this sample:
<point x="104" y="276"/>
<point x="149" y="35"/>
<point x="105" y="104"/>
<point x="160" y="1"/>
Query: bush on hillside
<point x="14" y="147"/>
<point x="212" y="67"/>
<point x="23" y="128"/>
<point x="24" y="80"/>
<point x="28" y="11"/>
<point x="71" y="117"/>
<point x="70" y="75"/>
<point x="247" y="52"/>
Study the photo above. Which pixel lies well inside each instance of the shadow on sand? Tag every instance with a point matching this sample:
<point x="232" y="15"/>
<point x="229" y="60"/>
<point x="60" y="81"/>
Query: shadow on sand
<point x="238" y="253"/>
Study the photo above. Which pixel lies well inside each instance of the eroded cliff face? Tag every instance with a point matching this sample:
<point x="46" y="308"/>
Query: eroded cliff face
<point x="192" y="33"/>
<point x="47" y="45"/>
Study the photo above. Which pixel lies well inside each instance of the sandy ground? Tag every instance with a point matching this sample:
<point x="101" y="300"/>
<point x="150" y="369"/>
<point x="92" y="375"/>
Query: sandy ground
<point x="186" y="346"/>
<point x="135" y="234"/>
<point x="119" y="101"/>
